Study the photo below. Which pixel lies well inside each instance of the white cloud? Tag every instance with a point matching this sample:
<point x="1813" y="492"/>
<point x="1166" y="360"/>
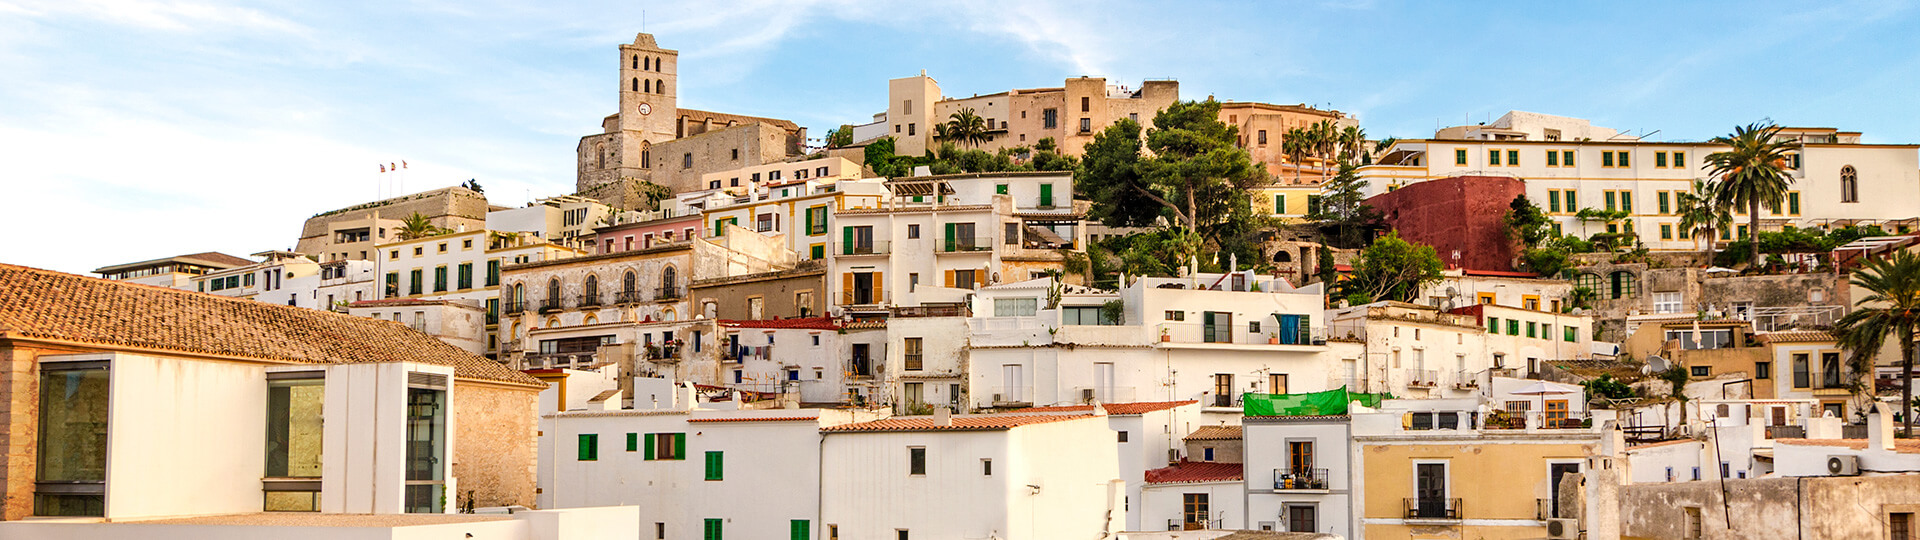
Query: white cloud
<point x="157" y="15"/>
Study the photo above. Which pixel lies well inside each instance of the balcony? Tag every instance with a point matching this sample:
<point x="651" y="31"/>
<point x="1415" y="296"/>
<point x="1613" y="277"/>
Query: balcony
<point x="1216" y="335"/>
<point x="1786" y="432"/>
<point x="934" y="310"/>
<point x="551" y="305"/>
<point x="663" y="354"/>
<point x="966" y="245"/>
<point x="587" y="301"/>
<point x="1004" y="396"/>
<point x="1212" y="399"/>
<point x="856" y="249"/>
<point x="514" y="308"/>
<point x="1433" y="509"/>
<point x="557" y="360"/>
<point x="861" y="298"/>
<point x="628" y="297"/>
<point x="1423" y="378"/>
<point x="668" y="294"/>
<point x="1300" y="480"/>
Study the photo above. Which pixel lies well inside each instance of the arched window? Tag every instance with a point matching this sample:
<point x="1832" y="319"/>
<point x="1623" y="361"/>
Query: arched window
<point x="591" y="320"/>
<point x="627" y="286"/>
<point x="667" y="315"/>
<point x="553" y="322"/>
<point x="657" y="64"/>
<point x="636" y="61"/>
<point x="647" y="85"/>
<point x="591" y="292"/>
<point x="516" y="299"/>
<point x="646" y="157"/>
<point x="1622" y="284"/>
<point x="636" y="84"/>
<point x="1849" y="184"/>
<point x="600" y="154"/>
<point x="659" y="86"/>
<point x="1282" y="256"/>
<point x="668" y="280"/>
<point x="553" y="294"/>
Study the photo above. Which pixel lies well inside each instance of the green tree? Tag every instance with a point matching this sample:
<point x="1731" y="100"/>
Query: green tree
<point x="1545" y="261"/>
<point x="1394" y="269"/>
<point x="840" y="137"/>
<point x="1702" y="215"/>
<point x="1582" y="298"/>
<point x="1324" y="268"/>
<point x="1526" y="224"/>
<point x="1191" y="170"/>
<point x="1110" y="176"/>
<point x="966" y="127"/>
<point x="1891" y="309"/>
<point x="1677" y="379"/>
<point x="1295" y="145"/>
<point x="418" y="226"/>
<point x="1752" y="171"/>
<point x="1353" y="141"/>
<point x="1343" y="211"/>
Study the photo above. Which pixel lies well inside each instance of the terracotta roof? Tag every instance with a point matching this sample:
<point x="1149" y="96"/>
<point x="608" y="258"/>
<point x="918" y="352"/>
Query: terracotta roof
<point x="1797" y="336"/>
<point x="814" y="323"/>
<point x="758" y="419"/>
<point x="1215" y="433"/>
<point x="45" y="304"/>
<point x="1195" y="471"/>
<point x="984" y="422"/>
<point x="210" y="258"/>
<point x="1124" y="409"/>
<point x="1903" y="446"/>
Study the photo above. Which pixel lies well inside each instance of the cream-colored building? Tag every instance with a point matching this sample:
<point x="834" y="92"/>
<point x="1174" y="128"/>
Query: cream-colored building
<point x="1071" y="114"/>
<point x="1838" y="180"/>
<point x="1263" y="127"/>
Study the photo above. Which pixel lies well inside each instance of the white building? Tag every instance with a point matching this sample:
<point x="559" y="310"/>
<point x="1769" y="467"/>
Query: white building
<point x="1299" y="474"/>
<point x="566" y="220"/>
<point x="1012" y="477"/>
<point x="281" y="277"/>
<point x="174" y="272"/>
<point x="786" y="356"/>
<point x="1148" y="435"/>
<point x="1837" y="179"/>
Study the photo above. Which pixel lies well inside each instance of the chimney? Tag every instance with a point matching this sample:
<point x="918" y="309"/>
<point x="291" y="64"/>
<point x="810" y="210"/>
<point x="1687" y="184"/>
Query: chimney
<point x="943" y="417"/>
<point x="1880" y="428"/>
<point x="1098" y="409"/>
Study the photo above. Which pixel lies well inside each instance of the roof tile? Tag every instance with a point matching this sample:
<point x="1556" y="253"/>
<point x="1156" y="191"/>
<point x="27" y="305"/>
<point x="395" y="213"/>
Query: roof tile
<point x="984" y="422"/>
<point x="1215" y="433"/>
<point x="1195" y="471"/>
<point x="1138" y="407"/>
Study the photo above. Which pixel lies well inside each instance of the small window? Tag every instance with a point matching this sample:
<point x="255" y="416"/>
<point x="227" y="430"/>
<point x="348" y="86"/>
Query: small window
<point x="1123" y="436"/>
<point x="986" y="467"/>
<point x="716" y="466"/>
<point x="589" y="447"/>
<point x="1176" y="315"/>
<point x="1702" y="371"/>
<point x="917" y="461"/>
<point x="913" y="230"/>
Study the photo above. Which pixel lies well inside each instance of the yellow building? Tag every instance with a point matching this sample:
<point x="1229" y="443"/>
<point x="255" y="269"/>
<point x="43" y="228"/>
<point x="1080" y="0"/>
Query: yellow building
<point x="1290" y="203"/>
<point x="1440" y="469"/>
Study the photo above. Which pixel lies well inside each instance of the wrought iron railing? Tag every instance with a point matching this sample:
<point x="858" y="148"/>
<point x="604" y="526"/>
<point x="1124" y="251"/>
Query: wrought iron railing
<point x="1296" y="479"/>
<point x="1432" y="508"/>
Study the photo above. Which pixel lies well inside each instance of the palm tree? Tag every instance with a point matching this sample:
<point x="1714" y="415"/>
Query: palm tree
<point x="1294" y="144"/>
<point x="1702" y="215"/>
<point x="1752" y="171"/>
<point x="1892" y="309"/>
<point x="1353" y="141"/>
<point x="1326" y="139"/>
<point x="418" y="226"/>
<point x="966" y="127"/>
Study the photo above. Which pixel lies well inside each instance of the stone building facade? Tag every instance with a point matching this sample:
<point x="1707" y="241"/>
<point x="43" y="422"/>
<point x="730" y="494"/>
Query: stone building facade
<point x="784" y="294"/>
<point x="1263" y="127"/>
<point x="351" y="233"/>
<point x="1071" y="114"/>
<point x="610" y="164"/>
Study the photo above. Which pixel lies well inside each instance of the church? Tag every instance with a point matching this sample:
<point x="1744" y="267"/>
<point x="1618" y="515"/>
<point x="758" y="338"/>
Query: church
<point x="652" y="139"/>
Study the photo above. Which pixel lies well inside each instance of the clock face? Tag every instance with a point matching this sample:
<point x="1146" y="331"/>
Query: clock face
<point x="646" y="109"/>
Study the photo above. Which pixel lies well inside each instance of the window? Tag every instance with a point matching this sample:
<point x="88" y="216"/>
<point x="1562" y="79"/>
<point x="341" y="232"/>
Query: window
<point x="1263" y="137"/>
<point x="986" y="467"/>
<point x="1720" y="338"/>
<point x="1660" y="160"/>
<point x="913" y="355"/>
<point x="1830" y="370"/>
<point x="1276" y="383"/>
<point x="1085" y="316"/>
<point x="1176" y="315"/>
<point x="1571" y="334"/>
<point x="1513" y="327"/>
<point x="1900" y="525"/>
<point x="799" y="529"/>
<point x="1086" y="104"/>
<point x="1459" y="156"/>
<point x="440" y="279"/>
<point x="1086" y="125"/>
<point x="1300" y="518"/>
<point x="414" y="282"/>
<point x="710" y="530"/>
<point x="716" y="466"/>
<point x="1513" y="158"/>
<point x="1123" y="436"/>
<point x="1493" y="158"/>
<point x="917" y="461"/>
<point x="466" y="276"/>
<point x="1666" y="302"/>
<point x="1553" y="200"/>
<point x="1493" y="325"/>
<point x="1300" y="456"/>
<point x="1606" y="159"/>
<point x="589" y="447"/>
<point x="913" y="231"/>
<point x="665" y="446"/>
<point x="1050" y="118"/>
<point x="1692" y="525"/>
<point x="1849" y="182"/>
<point x="1015" y="307"/>
<point x="1702" y="371"/>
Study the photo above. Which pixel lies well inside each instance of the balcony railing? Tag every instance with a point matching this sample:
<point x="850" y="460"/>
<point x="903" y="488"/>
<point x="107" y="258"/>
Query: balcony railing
<point x="879" y="247"/>
<point x="1423" y="378"/>
<point x="1543" y="509"/>
<point x="858" y="298"/>
<point x="551" y="305"/>
<point x="588" y="300"/>
<point x="1433" y="508"/>
<point x="514" y="308"/>
<point x="1786" y="432"/>
<point x="966" y="245"/>
<point x="1012" y="394"/>
<point x="629" y="297"/>
<point x="934" y="310"/>
<point x="1211" y="399"/>
<point x="668" y="294"/>
<point x="1241" y="334"/>
<point x="667" y="353"/>
<point x="1299" y="479"/>
<point x="557" y="360"/>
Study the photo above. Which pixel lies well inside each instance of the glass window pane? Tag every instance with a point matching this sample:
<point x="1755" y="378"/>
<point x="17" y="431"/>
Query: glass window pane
<point x="73" y="438"/>
<point x="293" y="428"/>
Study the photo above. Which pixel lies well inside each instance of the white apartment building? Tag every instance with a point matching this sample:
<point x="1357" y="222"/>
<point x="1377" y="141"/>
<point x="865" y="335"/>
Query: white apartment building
<point x="1148" y="436"/>
<point x="939" y="235"/>
<point x="174" y="272"/>
<point x="461" y="267"/>
<point x="940" y="477"/>
<point x="798" y="211"/>
<point x="786" y="356"/>
<point x="1299" y="474"/>
<point x="1208" y="337"/>
<point x="281" y="277"/>
<point x="567" y="220"/>
<point x="1461" y="288"/>
<point x="1422" y="352"/>
<point x="1837" y="179"/>
<point x="345" y="281"/>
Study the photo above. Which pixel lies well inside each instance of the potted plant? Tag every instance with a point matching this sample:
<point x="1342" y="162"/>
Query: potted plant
<point x="1165" y="336"/>
<point x="1273" y="338"/>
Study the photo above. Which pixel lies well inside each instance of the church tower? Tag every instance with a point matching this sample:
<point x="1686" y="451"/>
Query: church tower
<point x="649" y="82"/>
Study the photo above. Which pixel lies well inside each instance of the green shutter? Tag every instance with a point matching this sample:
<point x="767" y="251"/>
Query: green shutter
<point x="1659" y="159"/>
<point x="1553" y="158"/>
<point x="817" y="252"/>
<point x="1553" y="201"/>
<point x="949" y="243"/>
<point x="1606" y="159"/>
<point x="1626" y="201"/>
<point x="715" y="466"/>
<point x="1623" y="158"/>
<point x="1493" y="157"/>
<point x="1513" y="157"/>
<point x="1666" y="231"/>
<point x="1513" y="327"/>
<point x="1046" y="194"/>
<point x="589" y="447"/>
<point x="1572" y="202"/>
<point x="466" y="275"/>
<point x="1569" y="331"/>
<point x="633" y="442"/>
<point x="800" y="529"/>
<point x="1279" y="204"/>
<point x="440" y="279"/>
<point x="493" y="273"/>
<point x="1460" y="156"/>
<point x="1609" y="197"/>
<point x="712" y="529"/>
<point x="648" y="448"/>
<point x="679" y="445"/>
<point x="1566" y="158"/>
<point x="1493" y="325"/>
<point x="809" y="221"/>
<point x="1000" y="189"/>
<point x="1793" y="203"/>
<point x="846" y="240"/>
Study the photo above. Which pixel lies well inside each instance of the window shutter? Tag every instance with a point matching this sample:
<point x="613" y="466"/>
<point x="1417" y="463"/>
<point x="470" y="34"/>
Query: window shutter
<point x="949" y="237"/>
<point x="679" y="445"/>
<point x="846" y="248"/>
<point x="949" y="279"/>
<point x="878" y="297"/>
<point x="649" y="447"/>
<point x="1046" y="194"/>
<point x="633" y="442"/>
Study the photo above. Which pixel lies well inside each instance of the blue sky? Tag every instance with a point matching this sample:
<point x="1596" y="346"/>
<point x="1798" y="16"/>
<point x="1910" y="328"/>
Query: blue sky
<point x="135" y="129"/>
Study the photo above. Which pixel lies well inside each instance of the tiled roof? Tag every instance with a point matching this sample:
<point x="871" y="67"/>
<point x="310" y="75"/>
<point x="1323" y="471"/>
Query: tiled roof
<point x="1215" y="433"/>
<point x="1662" y="443"/>
<point x="759" y="419"/>
<point x="210" y="258"/>
<point x="984" y="422"/>
<point x="1797" y="336"/>
<point x="1124" y="409"/>
<point x="1195" y="471"/>
<point x="814" y="323"/>
<point x="45" y="304"/>
<point x="1903" y="446"/>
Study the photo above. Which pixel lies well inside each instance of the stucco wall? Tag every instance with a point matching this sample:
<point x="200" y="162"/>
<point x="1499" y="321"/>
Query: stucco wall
<point x="1769" y="508"/>
<point x="184" y="427"/>
<point x="1456" y="214"/>
<point x="497" y="439"/>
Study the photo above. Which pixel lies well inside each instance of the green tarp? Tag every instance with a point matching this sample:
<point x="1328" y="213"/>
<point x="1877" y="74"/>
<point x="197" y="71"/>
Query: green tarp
<point x="1330" y="402"/>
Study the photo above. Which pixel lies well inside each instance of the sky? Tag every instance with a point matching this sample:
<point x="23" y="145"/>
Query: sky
<point x="134" y="130"/>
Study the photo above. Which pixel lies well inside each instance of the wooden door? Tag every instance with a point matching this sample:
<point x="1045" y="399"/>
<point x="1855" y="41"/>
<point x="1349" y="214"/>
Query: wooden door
<point x="1193" y="514"/>
<point x="1430" y="489"/>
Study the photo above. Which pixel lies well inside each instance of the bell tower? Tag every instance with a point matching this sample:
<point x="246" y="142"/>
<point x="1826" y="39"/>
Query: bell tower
<point x="649" y="82"/>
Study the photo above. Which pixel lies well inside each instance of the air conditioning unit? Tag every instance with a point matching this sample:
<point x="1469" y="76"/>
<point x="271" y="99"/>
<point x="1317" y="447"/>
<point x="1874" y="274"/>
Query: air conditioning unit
<point x="996" y="398"/>
<point x="1173" y="455"/>
<point x="1843" y="465"/>
<point x="1563" y="529"/>
<point x="1086" y="395"/>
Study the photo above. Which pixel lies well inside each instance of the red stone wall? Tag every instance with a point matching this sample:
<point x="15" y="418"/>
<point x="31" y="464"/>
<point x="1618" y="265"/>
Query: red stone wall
<point x="1456" y="214"/>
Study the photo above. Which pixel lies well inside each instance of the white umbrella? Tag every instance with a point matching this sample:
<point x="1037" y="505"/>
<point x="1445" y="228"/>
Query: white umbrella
<point x="1542" y="389"/>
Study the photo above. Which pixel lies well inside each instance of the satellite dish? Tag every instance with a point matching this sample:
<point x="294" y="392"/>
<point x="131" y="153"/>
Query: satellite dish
<point x="1446" y="305"/>
<point x="1656" y="363"/>
<point x="1452" y="292"/>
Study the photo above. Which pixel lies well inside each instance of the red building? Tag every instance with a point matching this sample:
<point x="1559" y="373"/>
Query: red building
<point x="1461" y="217"/>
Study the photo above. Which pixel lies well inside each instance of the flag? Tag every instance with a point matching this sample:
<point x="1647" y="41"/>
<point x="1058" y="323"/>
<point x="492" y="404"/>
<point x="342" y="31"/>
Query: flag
<point x="383" y="168"/>
<point x="390" y="165"/>
<point x="403" y="164"/>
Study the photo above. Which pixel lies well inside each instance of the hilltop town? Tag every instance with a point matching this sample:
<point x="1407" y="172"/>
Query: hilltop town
<point x="1090" y="310"/>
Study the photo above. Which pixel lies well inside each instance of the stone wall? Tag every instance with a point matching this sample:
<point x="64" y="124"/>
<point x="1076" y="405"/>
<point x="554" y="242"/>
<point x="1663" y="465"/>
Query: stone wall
<point x="20" y="409"/>
<point x="781" y="293"/>
<point x="1769" y="508"/>
<point x="450" y="207"/>
<point x="496" y="440"/>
